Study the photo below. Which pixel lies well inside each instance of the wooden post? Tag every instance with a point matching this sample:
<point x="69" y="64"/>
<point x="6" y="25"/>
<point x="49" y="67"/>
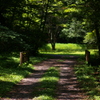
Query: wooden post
<point x="87" y="55"/>
<point x="24" y="57"/>
<point x="21" y="58"/>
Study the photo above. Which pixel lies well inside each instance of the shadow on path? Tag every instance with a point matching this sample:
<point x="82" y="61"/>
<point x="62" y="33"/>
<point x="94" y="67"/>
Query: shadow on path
<point x="25" y="88"/>
<point x="67" y="85"/>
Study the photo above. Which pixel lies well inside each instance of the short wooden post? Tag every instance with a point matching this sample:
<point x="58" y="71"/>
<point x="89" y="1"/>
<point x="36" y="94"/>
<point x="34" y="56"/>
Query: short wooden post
<point x="24" y="57"/>
<point x="87" y="55"/>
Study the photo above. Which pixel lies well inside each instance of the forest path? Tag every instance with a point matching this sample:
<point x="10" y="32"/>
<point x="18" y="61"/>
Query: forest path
<point x="68" y="88"/>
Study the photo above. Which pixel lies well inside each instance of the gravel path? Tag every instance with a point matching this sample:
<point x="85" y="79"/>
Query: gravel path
<point x="67" y="85"/>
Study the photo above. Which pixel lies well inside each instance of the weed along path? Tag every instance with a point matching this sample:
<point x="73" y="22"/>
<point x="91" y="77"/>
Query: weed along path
<point x="66" y="88"/>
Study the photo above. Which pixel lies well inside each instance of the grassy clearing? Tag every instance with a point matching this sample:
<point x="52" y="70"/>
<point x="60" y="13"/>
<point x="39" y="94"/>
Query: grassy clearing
<point x="11" y="73"/>
<point x="64" y="46"/>
<point x="47" y="88"/>
<point x="67" y="49"/>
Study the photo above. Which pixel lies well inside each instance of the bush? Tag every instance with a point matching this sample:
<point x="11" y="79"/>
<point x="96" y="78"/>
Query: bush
<point x="10" y="40"/>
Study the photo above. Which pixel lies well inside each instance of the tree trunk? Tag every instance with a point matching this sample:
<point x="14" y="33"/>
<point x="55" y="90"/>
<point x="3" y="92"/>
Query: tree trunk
<point x="53" y="41"/>
<point x="97" y="35"/>
<point x="44" y="18"/>
<point x="53" y="46"/>
<point x="87" y="56"/>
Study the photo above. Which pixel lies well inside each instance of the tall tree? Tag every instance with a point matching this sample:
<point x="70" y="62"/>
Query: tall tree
<point x="24" y="18"/>
<point x="54" y="21"/>
<point x="91" y="10"/>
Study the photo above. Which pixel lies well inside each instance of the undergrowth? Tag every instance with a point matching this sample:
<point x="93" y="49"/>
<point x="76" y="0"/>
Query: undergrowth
<point x="89" y="80"/>
<point x="11" y="73"/>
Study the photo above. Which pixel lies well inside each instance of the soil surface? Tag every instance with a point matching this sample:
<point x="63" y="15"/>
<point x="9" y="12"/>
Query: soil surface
<point x="68" y="86"/>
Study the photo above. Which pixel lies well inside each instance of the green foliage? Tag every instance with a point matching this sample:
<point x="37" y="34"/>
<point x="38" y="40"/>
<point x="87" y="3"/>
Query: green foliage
<point x="90" y="10"/>
<point x="88" y="80"/>
<point x="73" y="29"/>
<point x="38" y="21"/>
<point x="46" y="91"/>
<point x="45" y="47"/>
<point x="90" y="38"/>
<point x="10" y="40"/>
<point x="9" y="60"/>
<point x="23" y="17"/>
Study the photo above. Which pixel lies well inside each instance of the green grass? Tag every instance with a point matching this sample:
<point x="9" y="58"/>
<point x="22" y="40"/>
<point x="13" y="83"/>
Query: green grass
<point x="69" y="46"/>
<point x="11" y="76"/>
<point x="88" y="80"/>
<point x="11" y="73"/>
<point x="65" y="46"/>
<point x="85" y="73"/>
<point x="67" y="49"/>
<point x="48" y="85"/>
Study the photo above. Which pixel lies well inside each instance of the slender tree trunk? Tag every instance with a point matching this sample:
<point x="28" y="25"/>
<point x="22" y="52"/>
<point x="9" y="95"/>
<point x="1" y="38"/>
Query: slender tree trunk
<point x="44" y="18"/>
<point x="97" y="35"/>
<point x="53" y="41"/>
<point x="53" y="45"/>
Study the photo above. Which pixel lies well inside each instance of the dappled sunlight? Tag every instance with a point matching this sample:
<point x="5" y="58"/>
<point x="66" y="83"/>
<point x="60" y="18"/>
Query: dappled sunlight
<point x="68" y="86"/>
<point x="16" y="59"/>
<point x="47" y="88"/>
<point x="43" y="83"/>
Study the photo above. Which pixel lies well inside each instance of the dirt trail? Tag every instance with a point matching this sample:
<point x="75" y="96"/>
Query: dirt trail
<point x="67" y="85"/>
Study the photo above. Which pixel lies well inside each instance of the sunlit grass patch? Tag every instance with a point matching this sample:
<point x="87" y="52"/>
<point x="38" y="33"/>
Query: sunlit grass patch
<point x="47" y="88"/>
<point x="68" y="46"/>
<point x="93" y="51"/>
<point x="88" y="80"/>
<point x="62" y="48"/>
<point x="44" y="97"/>
<point x="35" y="60"/>
<point x="11" y="73"/>
<point x="77" y="53"/>
<point x="68" y="49"/>
<point x="11" y="76"/>
<point x="60" y="60"/>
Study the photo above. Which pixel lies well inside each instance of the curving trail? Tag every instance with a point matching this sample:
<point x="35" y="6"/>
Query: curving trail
<point x="67" y="89"/>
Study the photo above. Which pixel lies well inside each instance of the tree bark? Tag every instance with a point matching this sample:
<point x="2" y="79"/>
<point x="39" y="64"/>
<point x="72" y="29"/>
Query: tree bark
<point x="52" y="40"/>
<point x="53" y="46"/>
<point x="97" y="35"/>
<point x="44" y="18"/>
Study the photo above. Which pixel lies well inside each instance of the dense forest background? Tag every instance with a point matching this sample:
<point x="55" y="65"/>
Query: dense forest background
<point x="27" y="25"/>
